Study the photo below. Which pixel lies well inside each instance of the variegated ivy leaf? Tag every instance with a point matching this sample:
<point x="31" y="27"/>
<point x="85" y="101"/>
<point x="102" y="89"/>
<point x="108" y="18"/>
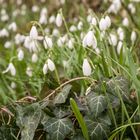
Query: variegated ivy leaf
<point x="58" y="128"/>
<point x="97" y="103"/>
<point x="62" y="96"/>
<point x="28" y="119"/>
<point x="97" y="130"/>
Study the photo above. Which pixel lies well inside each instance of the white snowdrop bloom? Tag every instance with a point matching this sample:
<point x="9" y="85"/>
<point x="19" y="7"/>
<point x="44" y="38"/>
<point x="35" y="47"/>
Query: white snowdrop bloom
<point x="90" y="40"/>
<point x="119" y="47"/>
<point x="86" y="68"/>
<point x="51" y="65"/>
<point x="125" y="22"/>
<point x="34" y="58"/>
<point x="55" y="32"/>
<point x="80" y="25"/>
<point x="97" y="50"/>
<point x="58" y="20"/>
<point x="35" y="8"/>
<point x="52" y="19"/>
<point x="7" y="44"/>
<point x="62" y="2"/>
<point x="11" y="69"/>
<point x="43" y="19"/>
<point x="29" y="71"/>
<point x="4" y="33"/>
<point x="82" y="35"/>
<point x="20" y="55"/>
<point x="4" y="17"/>
<point x="108" y="21"/>
<point x="120" y="33"/>
<point x="94" y="21"/>
<point x="13" y="85"/>
<point x="44" y="11"/>
<point x="132" y="8"/>
<point x="33" y="33"/>
<point x="72" y="28"/>
<point x="115" y="6"/>
<point x="60" y="42"/>
<point x="133" y="36"/>
<point x="45" y="69"/>
<point x="103" y="24"/>
<point x="19" y="38"/>
<point x="113" y="39"/>
<point x="13" y="27"/>
<point x="89" y="18"/>
<point x="70" y="44"/>
<point x="48" y="42"/>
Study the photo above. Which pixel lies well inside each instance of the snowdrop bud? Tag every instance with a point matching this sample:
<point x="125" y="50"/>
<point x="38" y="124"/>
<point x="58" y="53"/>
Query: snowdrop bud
<point x="70" y="44"/>
<point x="29" y="72"/>
<point x="80" y="25"/>
<point x="7" y="44"/>
<point x="132" y="8"/>
<point x="108" y="21"/>
<point x="86" y="68"/>
<point x="45" y="69"/>
<point x="48" y="42"/>
<point x="52" y="19"/>
<point x="13" y="27"/>
<point x="33" y="33"/>
<point x="91" y="39"/>
<point x="34" y="58"/>
<point x="113" y="39"/>
<point x="133" y="36"/>
<point x="72" y="28"/>
<point x="125" y="22"/>
<point x="20" y="55"/>
<point x="89" y="18"/>
<point x="55" y="32"/>
<point x="94" y="21"/>
<point x="43" y="19"/>
<point x="35" y="8"/>
<point x="13" y="85"/>
<point x="58" y="20"/>
<point x="103" y="24"/>
<point x="11" y="69"/>
<point x="119" y="47"/>
<point x="51" y="65"/>
<point x="4" y="33"/>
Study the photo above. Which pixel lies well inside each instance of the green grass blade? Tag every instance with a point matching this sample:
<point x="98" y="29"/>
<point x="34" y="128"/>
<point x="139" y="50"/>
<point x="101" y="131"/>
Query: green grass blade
<point x="80" y="119"/>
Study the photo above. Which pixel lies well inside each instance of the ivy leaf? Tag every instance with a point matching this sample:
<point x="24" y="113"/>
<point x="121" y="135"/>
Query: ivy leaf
<point x="62" y="96"/>
<point x="28" y="119"/>
<point x="58" y="128"/>
<point x="97" y="103"/>
<point x="118" y="83"/>
<point x="97" y="130"/>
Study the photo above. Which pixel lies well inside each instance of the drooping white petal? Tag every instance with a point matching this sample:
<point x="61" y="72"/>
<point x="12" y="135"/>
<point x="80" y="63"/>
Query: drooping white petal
<point x="86" y="68"/>
<point x="51" y="65"/>
<point x="45" y="69"/>
<point x="58" y="20"/>
<point x="20" y="55"/>
<point x="33" y="33"/>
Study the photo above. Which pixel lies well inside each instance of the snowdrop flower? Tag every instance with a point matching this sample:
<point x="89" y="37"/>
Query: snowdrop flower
<point x="89" y="18"/>
<point x="45" y="69"/>
<point x="119" y="47"/>
<point x="86" y="68"/>
<point x="115" y="6"/>
<point x="55" y="32"/>
<point x="132" y="8"/>
<point x="133" y="36"/>
<point x="35" y="8"/>
<point x="94" y="21"/>
<point x="43" y="19"/>
<point x="20" y="55"/>
<point x="11" y="69"/>
<point x="29" y="71"/>
<point x="48" y="42"/>
<point x="13" y="85"/>
<point x="34" y="58"/>
<point x="72" y="28"/>
<point x="113" y="40"/>
<point x="19" y="39"/>
<point x="4" y="17"/>
<point x="70" y="44"/>
<point x="125" y="22"/>
<point x="13" y="27"/>
<point x="120" y="33"/>
<point x="80" y="25"/>
<point x="104" y="23"/>
<point x="33" y="33"/>
<point x="52" y="19"/>
<point x="51" y="65"/>
<point x="4" y="33"/>
<point x="90" y="40"/>
<point x="58" y="20"/>
<point x="7" y="44"/>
